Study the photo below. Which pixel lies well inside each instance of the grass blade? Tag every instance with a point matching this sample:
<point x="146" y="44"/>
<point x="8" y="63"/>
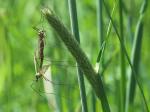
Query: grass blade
<point x="136" y="57"/>
<point x="123" y="67"/>
<point x="103" y="45"/>
<point x="100" y="21"/>
<point x="75" y="30"/>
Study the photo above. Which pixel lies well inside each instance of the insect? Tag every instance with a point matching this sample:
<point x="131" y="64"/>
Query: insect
<point x="42" y="65"/>
<point x="39" y="53"/>
<point x="62" y="83"/>
<point x="40" y="69"/>
<point x="40" y="74"/>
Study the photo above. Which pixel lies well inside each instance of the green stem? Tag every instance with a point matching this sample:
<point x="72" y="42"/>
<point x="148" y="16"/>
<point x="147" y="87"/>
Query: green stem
<point x="123" y="68"/>
<point x="100" y="21"/>
<point x="101" y="38"/>
<point x="75" y="30"/>
<point x="103" y="46"/>
<point x="93" y="100"/>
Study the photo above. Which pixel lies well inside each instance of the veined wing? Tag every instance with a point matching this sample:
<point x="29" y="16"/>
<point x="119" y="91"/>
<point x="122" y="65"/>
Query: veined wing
<point x="60" y="63"/>
<point x="55" y="87"/>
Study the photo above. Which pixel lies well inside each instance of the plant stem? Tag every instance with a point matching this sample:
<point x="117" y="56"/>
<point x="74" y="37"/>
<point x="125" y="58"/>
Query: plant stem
<point x="123" y="68"/>
<point x="101" y="38"/>
<point x="100" y="21"/>
<point x="93" y="100"/>
<point x="75" y="30"/>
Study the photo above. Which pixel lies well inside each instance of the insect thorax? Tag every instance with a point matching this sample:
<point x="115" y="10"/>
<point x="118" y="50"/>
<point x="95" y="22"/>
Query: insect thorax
<point x="38" y="76"/>
<point x="41" y="33"/>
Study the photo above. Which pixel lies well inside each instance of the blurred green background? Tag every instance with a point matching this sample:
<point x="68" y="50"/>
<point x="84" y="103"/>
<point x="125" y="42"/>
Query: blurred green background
<point x="18" y="42"/>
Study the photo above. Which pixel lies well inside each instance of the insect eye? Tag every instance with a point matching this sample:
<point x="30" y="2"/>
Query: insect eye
<point x="37" y="77"/>
<point x="43" y="31"/>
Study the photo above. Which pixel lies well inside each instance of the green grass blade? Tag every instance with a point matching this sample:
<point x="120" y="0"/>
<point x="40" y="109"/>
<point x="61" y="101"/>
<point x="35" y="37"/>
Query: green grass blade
<point x="103" y="46"/>
<point x="100" y="30"/>
<point x="100" y="21"/>
<point x="123" y="67"/>
<point x="135" y="59"/>
<point x="136" y="56"/>
<point x="75" y="30"/>
<point x="93" y="100"/>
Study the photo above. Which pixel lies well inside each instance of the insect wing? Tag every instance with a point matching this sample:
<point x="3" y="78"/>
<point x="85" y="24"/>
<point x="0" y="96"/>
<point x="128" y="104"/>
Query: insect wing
<point x="45" y="68"/>
<point x="59" y="88"/>
<point x="60" y="63"/>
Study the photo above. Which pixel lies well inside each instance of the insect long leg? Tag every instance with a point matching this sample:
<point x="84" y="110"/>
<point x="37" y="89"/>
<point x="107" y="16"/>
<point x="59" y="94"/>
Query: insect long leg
<point x="35" y="63"/>
<point x="35" y="28"/>
<point x="35" y="89"/>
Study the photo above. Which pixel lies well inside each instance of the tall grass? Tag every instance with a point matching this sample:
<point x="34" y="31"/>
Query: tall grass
<point x="123" y="67"/>
<point x="118" y="83"/>
<point x="136" y="52"/>
<point x="100" y="30"/>
<point x="95" y="81"/>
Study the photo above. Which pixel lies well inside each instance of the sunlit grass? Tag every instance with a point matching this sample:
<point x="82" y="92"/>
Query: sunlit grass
<point x="108" y="30"/>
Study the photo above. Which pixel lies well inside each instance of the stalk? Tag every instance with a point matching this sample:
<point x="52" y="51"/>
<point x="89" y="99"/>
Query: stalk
<point x="123" y="68"/>
<point x="103" y="46"/>
<point x="100" y="21"/>
<point x="93" y="100"/>
<point x="79" y="55"/>
<point x="101" y="38"/>
<point x="75" y="31"/>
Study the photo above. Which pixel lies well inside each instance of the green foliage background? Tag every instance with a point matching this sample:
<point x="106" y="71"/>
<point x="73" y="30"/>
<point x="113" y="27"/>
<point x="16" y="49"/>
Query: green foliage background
<point x="18" y="42"/>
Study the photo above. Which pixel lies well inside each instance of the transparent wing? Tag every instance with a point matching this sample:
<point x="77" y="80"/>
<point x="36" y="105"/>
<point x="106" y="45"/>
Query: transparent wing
<point x="45" y="68"/>
<point x="60" y="63"/>
<point x="58" y="82"/>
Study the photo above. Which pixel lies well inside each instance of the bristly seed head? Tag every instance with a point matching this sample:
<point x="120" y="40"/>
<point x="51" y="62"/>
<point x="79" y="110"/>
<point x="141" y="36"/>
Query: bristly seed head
<point x="46" y="11"/>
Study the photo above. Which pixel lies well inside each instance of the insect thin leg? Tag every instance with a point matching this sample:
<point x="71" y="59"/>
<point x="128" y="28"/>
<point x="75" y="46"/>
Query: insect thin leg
<point x="35" y="89"/>
<point x="35" y="62"/>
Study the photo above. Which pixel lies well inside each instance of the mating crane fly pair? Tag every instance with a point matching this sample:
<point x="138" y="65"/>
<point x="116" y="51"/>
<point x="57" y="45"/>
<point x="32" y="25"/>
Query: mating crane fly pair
<point x="39" y="54"/>
<point x="40" y="68"/>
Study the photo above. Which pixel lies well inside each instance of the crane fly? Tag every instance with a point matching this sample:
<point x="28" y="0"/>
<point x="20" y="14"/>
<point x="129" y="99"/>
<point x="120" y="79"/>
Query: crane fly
<point x="41" y="67"/>
<point x="41" y="44"/>
<point x="39" y="55"/>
